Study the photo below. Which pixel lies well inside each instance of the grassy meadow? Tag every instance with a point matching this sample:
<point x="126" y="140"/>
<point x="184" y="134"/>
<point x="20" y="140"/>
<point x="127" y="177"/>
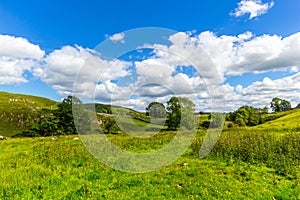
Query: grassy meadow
<point x="42" y="168"/>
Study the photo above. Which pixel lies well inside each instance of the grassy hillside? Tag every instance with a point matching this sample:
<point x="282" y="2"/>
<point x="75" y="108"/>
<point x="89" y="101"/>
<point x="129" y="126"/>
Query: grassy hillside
<point x="134" y="125"/>
<point x="286" y="120"/>
<point x="116" y="110"/>
<point x="16" y="110"/>
<point x="127" y="120"/>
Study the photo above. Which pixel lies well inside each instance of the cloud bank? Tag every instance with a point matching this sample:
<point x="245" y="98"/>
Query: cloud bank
<point x="193" y="65"/>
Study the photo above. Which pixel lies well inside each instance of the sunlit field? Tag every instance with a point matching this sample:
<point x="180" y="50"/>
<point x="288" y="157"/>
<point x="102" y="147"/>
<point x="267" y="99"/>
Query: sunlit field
<point x="243" y="165"/>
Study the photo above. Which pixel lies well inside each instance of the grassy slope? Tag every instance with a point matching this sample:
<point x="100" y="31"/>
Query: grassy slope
<point x="134" y="125"/>
<point x="17" y="109"/>
<point x="289" y="121"/>
<point x="116" y="110"/>
<point x="40" y="168"/>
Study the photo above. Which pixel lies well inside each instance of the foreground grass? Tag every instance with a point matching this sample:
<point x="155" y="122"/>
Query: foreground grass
<point x="63" y="169"/>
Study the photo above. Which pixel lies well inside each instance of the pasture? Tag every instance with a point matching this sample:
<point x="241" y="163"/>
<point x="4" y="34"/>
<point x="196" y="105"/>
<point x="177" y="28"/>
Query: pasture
<point x="36" y="168"/>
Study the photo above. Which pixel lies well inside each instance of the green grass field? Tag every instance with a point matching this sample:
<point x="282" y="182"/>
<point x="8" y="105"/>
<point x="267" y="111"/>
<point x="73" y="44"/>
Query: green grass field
<point x="36" y="168"/>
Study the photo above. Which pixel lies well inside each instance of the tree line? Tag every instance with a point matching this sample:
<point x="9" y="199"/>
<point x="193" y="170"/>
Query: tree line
<point x="179" y="112"/>
<point x="250" y="116"/>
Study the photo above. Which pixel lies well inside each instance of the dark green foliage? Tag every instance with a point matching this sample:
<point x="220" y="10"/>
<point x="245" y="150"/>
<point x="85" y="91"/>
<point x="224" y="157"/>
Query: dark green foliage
<point x="80" y="116"/>
<point x="279" y="105"/>
<point x="65" y="116"/>
<point x="246" y="116"/>
<point x="174" y="113"/>
<point x="272" y="117"/>
<point x="188" y="119"/>
<point x="205" y="124"/>
<point x="46" y="124"/>
<point x="69" y="112"/>
<point x="156" y="110"/>
<point x="60" y="121"/>
<point x="180" y="112"/>
<point x="109" y="124"/>
<point x="230" y="125"/>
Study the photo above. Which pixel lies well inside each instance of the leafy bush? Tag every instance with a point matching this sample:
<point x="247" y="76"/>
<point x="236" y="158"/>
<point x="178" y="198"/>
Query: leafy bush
<point x="109" y="125"/>
<point x="246" y="116"/>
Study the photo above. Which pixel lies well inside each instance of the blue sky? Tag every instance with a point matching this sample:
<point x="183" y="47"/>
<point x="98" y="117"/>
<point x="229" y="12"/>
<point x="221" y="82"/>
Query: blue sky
<point x="253" y="46"/>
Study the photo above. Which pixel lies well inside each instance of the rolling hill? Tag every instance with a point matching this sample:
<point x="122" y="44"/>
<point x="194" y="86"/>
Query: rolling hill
<point x="115" y="110"/>
<point x="16" y="110"/>
<point x="286" y="120"/>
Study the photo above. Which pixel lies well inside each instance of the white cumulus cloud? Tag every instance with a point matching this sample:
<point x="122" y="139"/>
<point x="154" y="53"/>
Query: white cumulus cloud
<point x="118" y="37"/>
<point x="17" y="55"/>
<point x="79" y="67"/>
<point x="228" y="55"/>
<point x="254" y="8"/>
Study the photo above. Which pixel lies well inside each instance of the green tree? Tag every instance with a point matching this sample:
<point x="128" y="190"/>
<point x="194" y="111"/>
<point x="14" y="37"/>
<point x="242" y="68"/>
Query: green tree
<point x="69" y="112"/>
<point x="180" y="112"/>
<point x="279" y="105"/>
<point x="246" y="116"/>
<point x="174" y="113"/>
<point x="156" y="110"/>
<point x="61" y="121"/>
<point x="109" y="124"/>
<point x="80" y="116"/>
<point x="45" y="124"/>
<point x="254" y="117"/>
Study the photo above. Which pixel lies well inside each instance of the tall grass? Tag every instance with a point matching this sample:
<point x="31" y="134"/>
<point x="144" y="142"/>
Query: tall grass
<point x="278" y="151"/>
